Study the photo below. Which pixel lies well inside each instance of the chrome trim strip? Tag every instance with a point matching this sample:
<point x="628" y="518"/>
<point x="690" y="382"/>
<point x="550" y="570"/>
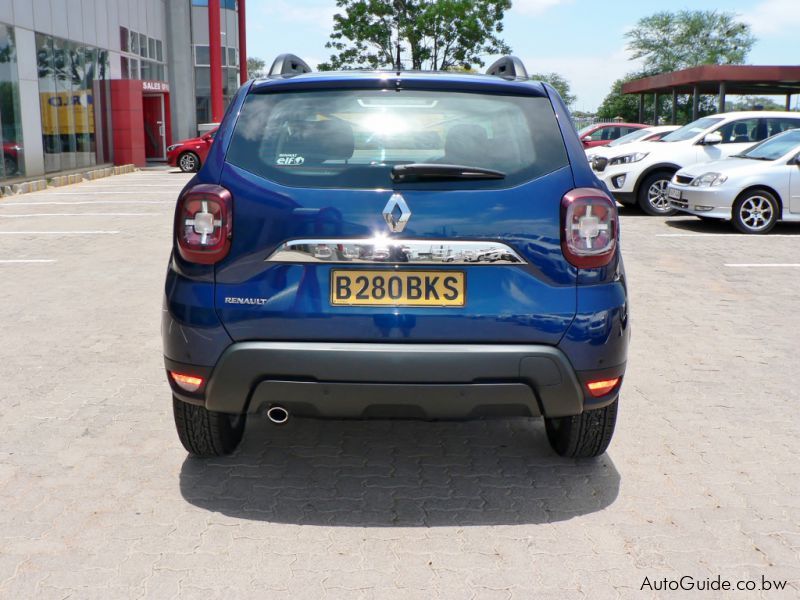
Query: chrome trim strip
<point x="381" y="250"/>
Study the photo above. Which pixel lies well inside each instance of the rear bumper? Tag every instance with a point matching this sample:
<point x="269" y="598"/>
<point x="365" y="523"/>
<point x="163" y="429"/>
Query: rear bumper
<point x="625" y="198"/>
<point x="404" y="380"/>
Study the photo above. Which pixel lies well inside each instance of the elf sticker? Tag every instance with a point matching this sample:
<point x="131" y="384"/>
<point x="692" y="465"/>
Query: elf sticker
<point x="290" y="159"/>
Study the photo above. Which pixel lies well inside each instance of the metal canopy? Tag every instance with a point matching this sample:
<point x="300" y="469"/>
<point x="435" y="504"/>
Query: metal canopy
<point x="720" y="80"/>
<point x="739" y="80"/>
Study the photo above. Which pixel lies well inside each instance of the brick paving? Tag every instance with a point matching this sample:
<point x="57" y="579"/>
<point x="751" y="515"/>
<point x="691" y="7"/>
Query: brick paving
<point x="98" y="499"/>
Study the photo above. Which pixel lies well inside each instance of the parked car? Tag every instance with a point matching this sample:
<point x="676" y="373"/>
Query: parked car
<point x="647" y="134"/>
<point x="255" y="326"/>
<point x="600" y="134"/>
<point x="12" y="157"/>
<point x="754" y="189"/>
<point x="640" y="172"/>
<point x="189" y="155"/>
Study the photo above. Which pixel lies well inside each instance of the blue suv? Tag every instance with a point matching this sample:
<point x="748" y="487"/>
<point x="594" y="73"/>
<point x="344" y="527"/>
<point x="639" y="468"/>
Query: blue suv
<point x="372" y="244"/>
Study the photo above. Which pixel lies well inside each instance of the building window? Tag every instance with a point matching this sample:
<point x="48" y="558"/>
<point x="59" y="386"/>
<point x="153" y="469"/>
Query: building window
<point x="202" y="83"/>
<point x="13" y="164"/>
<point x="230" y="83"/>
<point x="202" y="56"/>
<point x="124" y="39"/>
<point x="229" y="4"/>
<point x="73" y="92"/>
<point x="140" y="45"/>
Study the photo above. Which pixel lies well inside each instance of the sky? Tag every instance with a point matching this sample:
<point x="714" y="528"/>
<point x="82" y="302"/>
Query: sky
<point x="583" y="40"/>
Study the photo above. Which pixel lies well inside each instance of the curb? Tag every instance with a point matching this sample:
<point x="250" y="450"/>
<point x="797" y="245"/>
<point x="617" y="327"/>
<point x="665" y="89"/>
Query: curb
<point x="37" y="185"/>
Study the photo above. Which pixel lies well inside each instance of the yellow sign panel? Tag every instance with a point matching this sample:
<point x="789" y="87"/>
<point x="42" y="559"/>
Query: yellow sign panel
<point x="398" y="288"/>
<point x="66" y="113"/>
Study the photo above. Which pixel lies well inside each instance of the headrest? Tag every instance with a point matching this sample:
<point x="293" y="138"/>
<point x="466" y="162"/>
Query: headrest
<point x="318" y="141"/>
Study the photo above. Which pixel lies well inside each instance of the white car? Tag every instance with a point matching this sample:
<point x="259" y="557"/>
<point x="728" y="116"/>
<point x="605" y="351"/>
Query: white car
<point x="648" y="134"/>
<point x="639" y="172"/>
<point x="754" y="189"/>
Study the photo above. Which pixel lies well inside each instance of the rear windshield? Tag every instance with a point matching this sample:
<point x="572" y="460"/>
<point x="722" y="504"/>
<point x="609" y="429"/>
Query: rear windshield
<point x="352" y="138"/>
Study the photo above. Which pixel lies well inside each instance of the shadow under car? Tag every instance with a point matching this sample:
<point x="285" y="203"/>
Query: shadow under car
<point x="399" y="473"/>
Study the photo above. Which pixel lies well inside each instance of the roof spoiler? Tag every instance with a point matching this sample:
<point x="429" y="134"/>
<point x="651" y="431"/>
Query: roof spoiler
<point x="508" y="67"/>
<point x="287" y="65"/>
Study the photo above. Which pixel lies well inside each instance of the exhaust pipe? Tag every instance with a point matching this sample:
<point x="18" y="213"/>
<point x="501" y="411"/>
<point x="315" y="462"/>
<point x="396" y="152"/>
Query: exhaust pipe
<point x="277" y="414"/>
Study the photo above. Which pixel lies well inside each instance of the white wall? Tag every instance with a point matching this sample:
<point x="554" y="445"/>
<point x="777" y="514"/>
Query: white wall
<point x="93" y="22"/>
<point x="30" y="115"/>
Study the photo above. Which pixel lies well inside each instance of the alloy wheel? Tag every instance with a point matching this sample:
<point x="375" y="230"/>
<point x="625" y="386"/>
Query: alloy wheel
<point x="756" y="213"/>
<point x="10" y="167"/>
<point x="188" y="163"/>
<point x="657" y="196"/>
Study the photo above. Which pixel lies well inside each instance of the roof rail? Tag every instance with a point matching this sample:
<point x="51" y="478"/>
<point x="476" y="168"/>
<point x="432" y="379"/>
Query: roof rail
<point x="509" y="67"/>
<point x="288" y="65"/>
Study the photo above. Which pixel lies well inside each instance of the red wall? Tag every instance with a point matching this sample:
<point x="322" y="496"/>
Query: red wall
<point x="127" y="119"/>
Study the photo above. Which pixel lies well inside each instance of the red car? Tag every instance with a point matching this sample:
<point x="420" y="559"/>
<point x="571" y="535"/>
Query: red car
<point x="11" y="159"/>
<point x="601" y="134"/>
<point x="190" y="154"/>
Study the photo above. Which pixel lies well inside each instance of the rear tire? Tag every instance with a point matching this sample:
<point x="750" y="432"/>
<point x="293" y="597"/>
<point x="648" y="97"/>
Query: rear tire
<point x="10" y="166"/>
<point x="653" y="198"/>
<point x="205" y="433"/>
<point x="189" y="162"/>
<point x="583" y="436"/>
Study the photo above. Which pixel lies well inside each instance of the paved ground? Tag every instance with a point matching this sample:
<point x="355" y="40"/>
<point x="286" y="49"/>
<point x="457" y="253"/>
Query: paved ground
<point x="98" y="499"/>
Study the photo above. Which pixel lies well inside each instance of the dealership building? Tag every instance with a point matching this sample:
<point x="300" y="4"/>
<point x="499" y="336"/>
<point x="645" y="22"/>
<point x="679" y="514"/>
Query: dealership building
<point x="99" y="82"/>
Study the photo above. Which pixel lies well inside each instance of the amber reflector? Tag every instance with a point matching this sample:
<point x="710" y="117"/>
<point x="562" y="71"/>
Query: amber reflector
<point x="190" y="383"/>
<point x="602" y="387"/>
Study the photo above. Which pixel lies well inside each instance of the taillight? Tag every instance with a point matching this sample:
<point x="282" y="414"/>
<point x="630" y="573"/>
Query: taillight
<point x="204" y="224"/>
<point x="589" y="228"/>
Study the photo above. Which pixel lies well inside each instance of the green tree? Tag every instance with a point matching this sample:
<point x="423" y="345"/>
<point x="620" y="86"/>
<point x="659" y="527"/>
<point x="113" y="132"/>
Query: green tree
<point x="256" y="67"/>
<point x="431" y="34"/>
<point x="755" y="102"/>
<point x="561" y="85"/>
<point x="617" y="104"/>
<point x="668" y="41"/>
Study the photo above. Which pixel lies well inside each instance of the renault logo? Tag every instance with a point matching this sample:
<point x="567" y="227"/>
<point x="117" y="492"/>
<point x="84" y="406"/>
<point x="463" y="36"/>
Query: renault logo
<point x="396" y="213"/>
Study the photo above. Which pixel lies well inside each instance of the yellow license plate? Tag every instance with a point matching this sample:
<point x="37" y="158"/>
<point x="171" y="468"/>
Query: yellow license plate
<point x="398" y="288"/>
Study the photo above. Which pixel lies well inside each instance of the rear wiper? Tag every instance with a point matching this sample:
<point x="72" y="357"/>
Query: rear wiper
<point x="428" y="171"/>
